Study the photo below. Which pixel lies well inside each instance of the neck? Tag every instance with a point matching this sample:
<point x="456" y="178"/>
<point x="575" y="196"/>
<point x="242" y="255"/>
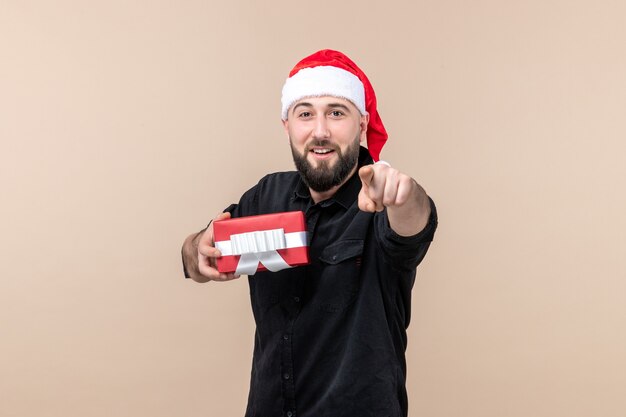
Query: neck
<point x="318" y="196"/>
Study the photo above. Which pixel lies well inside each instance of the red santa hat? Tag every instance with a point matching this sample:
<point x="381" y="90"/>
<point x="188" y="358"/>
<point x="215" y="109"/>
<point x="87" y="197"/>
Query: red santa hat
<point x="331" y="73"/>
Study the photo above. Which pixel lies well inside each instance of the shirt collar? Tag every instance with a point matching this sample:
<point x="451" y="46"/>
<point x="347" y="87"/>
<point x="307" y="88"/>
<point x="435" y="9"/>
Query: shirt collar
<point x="347" y="194"/>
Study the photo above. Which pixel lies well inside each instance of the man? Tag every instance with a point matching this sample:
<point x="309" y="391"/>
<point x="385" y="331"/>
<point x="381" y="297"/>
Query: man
<point x="331" y="336"/>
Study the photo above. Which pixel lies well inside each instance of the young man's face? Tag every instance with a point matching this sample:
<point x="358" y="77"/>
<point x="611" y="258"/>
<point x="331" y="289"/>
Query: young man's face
<point x="324" y="134"/>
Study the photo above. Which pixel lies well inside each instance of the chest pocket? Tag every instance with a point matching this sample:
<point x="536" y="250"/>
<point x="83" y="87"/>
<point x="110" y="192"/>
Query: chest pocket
<point x="339" y="280"/>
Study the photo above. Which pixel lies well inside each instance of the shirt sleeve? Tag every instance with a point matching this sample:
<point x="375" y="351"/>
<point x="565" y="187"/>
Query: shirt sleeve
<point x="405" y="252"/>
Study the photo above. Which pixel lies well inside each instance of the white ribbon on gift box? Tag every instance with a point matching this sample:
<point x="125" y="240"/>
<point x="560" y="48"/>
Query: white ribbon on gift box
<point x="260" y="246"/>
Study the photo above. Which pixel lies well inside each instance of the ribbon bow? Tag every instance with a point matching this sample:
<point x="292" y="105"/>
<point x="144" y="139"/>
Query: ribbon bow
<point x="260" y="246"/>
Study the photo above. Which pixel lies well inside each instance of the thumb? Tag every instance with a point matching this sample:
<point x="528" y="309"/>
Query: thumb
<point x="222" y="216"/>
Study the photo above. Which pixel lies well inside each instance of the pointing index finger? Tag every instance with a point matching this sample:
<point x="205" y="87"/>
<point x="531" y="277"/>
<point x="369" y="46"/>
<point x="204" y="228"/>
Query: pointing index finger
<point x="366" y="174"/>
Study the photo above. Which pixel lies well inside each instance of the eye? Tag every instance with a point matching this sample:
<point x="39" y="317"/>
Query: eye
<point x="336" y="113"/>
<point x="304" y="115"/>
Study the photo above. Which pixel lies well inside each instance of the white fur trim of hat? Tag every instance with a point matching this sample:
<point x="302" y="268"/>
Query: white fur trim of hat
<point x="322" y="81"/>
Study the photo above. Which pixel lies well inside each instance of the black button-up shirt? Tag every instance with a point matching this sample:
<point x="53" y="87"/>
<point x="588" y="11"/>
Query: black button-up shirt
<point x="331" y="336"/>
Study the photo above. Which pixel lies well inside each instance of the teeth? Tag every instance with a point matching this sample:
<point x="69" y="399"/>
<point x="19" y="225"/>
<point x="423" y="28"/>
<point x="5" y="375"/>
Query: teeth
<point x="321" y="151"/>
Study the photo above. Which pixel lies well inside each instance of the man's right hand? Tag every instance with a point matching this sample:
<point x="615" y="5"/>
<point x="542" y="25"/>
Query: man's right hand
<point x="199" y="255"/>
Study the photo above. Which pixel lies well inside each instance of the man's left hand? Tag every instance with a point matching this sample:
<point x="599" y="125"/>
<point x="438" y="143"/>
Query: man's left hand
<point x="407" y="204"/>
<point x="383" y="186"/>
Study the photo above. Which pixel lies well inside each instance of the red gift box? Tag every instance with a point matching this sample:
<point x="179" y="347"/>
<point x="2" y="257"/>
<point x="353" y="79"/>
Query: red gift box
<point x="259" y="243"/>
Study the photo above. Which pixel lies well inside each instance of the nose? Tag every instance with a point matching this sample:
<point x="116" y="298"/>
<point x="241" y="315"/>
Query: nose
<point x="320" y="130"/>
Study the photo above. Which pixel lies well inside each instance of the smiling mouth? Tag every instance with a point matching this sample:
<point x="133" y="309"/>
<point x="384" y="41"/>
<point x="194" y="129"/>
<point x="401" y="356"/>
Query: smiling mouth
<point x="321" y="151"/>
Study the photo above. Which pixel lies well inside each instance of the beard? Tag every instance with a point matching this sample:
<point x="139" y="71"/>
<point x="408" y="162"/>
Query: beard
<point x="324" y="177"/>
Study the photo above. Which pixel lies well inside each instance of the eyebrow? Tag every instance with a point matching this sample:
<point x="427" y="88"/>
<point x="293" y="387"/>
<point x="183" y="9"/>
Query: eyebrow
<point x="304" y="103"/>
<point x="341" y="106"/>
<point x="330" y="105"/>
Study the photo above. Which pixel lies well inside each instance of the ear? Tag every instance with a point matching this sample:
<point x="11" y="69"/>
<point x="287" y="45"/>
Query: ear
<point x="286" y="127"/>
<point x="363" y="123"/>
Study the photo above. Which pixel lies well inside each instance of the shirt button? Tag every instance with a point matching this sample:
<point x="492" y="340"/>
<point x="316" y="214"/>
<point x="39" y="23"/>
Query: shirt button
<point x="286" y="376"/>
<point x="289" y="414"/>
<point x="296" y="299"/>
<point x="334" y="257"/>
<point x="286" y="337"/>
